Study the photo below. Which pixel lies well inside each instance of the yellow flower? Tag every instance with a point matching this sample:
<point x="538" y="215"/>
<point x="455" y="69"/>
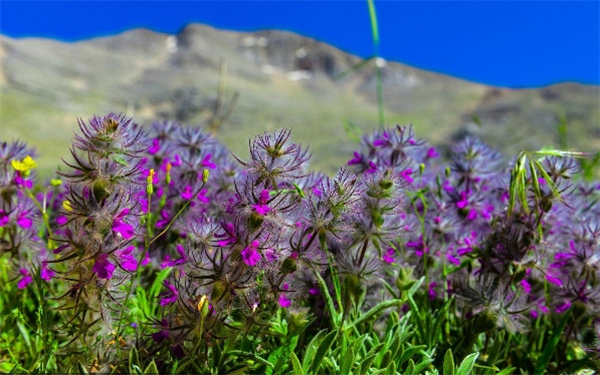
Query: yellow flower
<point x="203" y="306"/>
<point x="67" y="206"/>
<point x="24" y="166"/>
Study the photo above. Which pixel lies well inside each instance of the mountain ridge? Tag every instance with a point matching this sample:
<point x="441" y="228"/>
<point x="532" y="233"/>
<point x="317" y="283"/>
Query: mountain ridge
<point x="284" y="80"/>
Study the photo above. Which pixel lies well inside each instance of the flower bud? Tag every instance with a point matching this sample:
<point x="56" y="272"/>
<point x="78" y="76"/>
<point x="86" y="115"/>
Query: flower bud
<point x="205" y="174"/>
<point x="203" y="306"/>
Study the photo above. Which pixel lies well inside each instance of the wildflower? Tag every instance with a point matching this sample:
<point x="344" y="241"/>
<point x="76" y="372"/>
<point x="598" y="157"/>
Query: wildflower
<point x="163" y="334"/>
<point x="4" y="219"/>
<point x="171" y="296"/>
<point x="207" y="163"/>
<point x="357" y="159"/>
<point x="172" y="263"/>
<point x="128" y="261"/>
<point x="419" y="246"/>
<point x="431" y="153"/>
<point x="388" y="257"/>
<point x="284" y="301"/>
<point x="261" y="207"/>
<point x="187" y="193"/>
<point x="155" y="147"/>
<point x="406" y="174"/>
<point x="563" y="307"/>
<point x="229" y="235"/>
<point x="23" y="221"/>
<point x="103" y="267"/>
<point x="122" y="228"/>
<point x="431" y="293"/>
<point x="25" y="279"/>
<point x="250" y="255"/>
<point x="67" y="206"/>
<point x="25" y="166"/>
<point x="46" y="273"/>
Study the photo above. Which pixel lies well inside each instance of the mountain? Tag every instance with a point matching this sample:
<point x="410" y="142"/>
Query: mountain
<point x="269" y="79"/>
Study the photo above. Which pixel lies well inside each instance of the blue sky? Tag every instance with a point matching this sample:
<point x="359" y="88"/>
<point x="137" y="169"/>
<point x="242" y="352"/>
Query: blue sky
<point x="504" y="43"/>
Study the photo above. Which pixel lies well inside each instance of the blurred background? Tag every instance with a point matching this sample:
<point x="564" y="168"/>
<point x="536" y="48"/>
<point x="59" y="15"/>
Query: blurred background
<point x="521" y="75"/>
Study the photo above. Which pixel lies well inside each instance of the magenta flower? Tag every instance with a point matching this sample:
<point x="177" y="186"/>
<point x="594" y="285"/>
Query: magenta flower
<point x="164" y="219"/>
<point x="155" y="147"/>
<point x="357" y="159"/>
<point x="25" y="279"/>
<point x="128" y="261"/>
<point x="406" y="174"/>
<point x="163" y="334"/>
<point x="62" y="220"/>
<point x="431" y="291"/>
<point x="372" y="168"/>
<point x="187" y="193"/>
<point x="171" y="296"/>
<point x="431" y="153"/>
<point x="23" y="221"/>
<point x="172" y="263"/>
<point x="463" y="202"/>
<point x="284" y="301"/>
<point x="202" y="196"/>
<point x="3" y="218"/>
<point x="563" y="307"/>
<point x="419" y="247"/>
<point x="46" y="273"/>
<point x="207" y="163"/>
<point x="103" y="267"/>
<point x="125" y="230"/>
<point x="250" y="255"/>
<point x="261" y="207"/>
<point x="229" y="236"/>
<point x="388" y="257"/>
<point x="271" y="255"/>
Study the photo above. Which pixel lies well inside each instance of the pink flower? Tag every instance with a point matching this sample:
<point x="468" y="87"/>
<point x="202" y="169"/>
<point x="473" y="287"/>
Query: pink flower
<point x="207" y="163"/>
<point x="171" y="296"/>
<point x="155" y="147"/>
<point x="128" y="261"/>
<point x="25" y="280"/>
<point x="103" y="267"/>
<point x="261" y="207"/>
<point x="250" y="255"/>
<point x="24" y="222"/>
<point x="431" y="153"/>
<point x="356" y="160"/>
<point x="284" y="301"/>
<point x="172" y="263"/>
<point x="121" y="227"/>
<point x="4" y="219"/>
<point x="388" y="257"/>
<point x="46" y="273"/>
<point x="187" y="193"/>
<point x="229" y="236"/>
<point x="406" y="174"/>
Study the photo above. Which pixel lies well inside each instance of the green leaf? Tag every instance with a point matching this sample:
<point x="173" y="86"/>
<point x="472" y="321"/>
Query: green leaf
<point x="250" y="356"/>
<point x="507" y="371"/>
<point x="448" y="363"/>
<point x="328" y="300"/>
<point x="408" y="353"/>
<point x="323" y="349"/>
<point x="385" y="359"/>
<point x="421" y="366"/>
<point x="391" y="369"/>
<point x="241" y="369"/>
<point x="151" y="368"/>
<point x="551" y="345"/>
<point x="373" y="17"/>
<point x="81" y="368"/>
<point x="366" y="364"/>
<point x="296" y="366"/>
<point x="466" y="366"/>
<point x="410" y="369"/>
<point x="347" y="362"/>
<point x="476" y="120"/>
<point x="119" y="159"/>
<point x="352" y="130"/>
<point x="375" y="311"/>
<point x="311" y="350"/>
<point x="134" y="359"/>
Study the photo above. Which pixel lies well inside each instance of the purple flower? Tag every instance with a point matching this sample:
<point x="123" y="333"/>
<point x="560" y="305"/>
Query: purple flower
<point x="62" y="220"/>
<point x="202" y="196"/>
<point x="229" y="236"/>
<point x="372" y="168"/>
<point x="563" y="307"/>
<point x="261" y="207"/>
<point x="431" y="291"/>
<point x="103" y="267"/>
<point x="207" y="163"/>
<point x="388" y="257"/>
<point x="463" y="202"/>
<point x="314" y="291"/>
<point x="406" y="174"/>
<point x="171" y="296"/>
<point x="357" y="159"/>
<point x="46" y="273"/>
<point x="163" y="334"/>
<point x="187" y="193"/>
<point x="128" y="261"/>
<point x="155" y="147"/>
<point x="284" y="301"/>
<point x="553" y="279"/>
<point x="3" y="218"/>
<point x="23" y="221"/>
<point x="172" y="263"/>
<point x="250" y="255"/>
<point x="25" y="279"/>
<point x="270" y="255"/>
<point x="419" y="247"/>
<point x="125" y="230"/>
<point x="431" y="153"/>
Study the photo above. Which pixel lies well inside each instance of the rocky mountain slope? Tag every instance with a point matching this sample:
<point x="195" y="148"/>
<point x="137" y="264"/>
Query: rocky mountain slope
<point x="273" y="79"/>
